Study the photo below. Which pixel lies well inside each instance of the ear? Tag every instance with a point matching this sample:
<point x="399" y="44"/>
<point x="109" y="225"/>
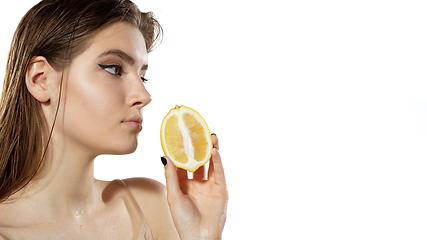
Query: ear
<point x="38" y="78"/>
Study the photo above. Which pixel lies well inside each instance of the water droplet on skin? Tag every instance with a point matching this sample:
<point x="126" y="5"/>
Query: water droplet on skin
<point x="78" y="214"/>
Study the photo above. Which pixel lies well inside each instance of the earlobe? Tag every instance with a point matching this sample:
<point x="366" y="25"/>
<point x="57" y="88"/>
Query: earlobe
<point x="36" y="79"/>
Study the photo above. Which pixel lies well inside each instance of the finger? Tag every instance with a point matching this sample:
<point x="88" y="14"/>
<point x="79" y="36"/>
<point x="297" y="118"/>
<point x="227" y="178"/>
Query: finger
<point x="218" y="169"/>
<point x="182" y="174"/>
<point x="215" y="140"/>
<point x="172" y="181"/>
<point x="199" y="174"/>
<point x="211" y="170"/>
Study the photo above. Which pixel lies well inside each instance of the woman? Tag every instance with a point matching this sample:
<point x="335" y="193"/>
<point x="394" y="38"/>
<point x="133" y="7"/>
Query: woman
<point x="74" y="89"/>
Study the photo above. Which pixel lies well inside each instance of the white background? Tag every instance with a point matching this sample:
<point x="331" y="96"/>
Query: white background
<point x="320" y="108"/>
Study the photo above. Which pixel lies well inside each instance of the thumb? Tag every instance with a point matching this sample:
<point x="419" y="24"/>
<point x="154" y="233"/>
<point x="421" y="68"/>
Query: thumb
<point x="172" y="181"/>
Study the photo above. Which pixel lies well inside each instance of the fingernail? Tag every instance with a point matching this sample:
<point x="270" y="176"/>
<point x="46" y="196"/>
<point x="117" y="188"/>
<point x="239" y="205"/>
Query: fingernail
<point x="213" y="134"/>
<point x="215" y="148"/>
<point x="164" y="161"/>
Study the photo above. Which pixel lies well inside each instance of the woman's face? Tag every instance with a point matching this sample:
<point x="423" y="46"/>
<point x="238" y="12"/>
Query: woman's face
<point x="104" y="93"/>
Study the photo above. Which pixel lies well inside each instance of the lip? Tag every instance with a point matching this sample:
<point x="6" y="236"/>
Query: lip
<point x="134" y="122"/>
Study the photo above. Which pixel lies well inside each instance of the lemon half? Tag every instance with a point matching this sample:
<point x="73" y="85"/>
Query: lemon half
<point x="186" y="138"/>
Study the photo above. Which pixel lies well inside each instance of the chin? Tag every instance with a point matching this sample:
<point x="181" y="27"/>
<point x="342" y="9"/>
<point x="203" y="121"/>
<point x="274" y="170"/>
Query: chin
<point x="122" y="149"/>
<point x="129" y="149"/>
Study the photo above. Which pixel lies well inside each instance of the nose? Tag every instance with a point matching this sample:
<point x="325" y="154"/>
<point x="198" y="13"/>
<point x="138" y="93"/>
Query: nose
<point x="138" y="96"/>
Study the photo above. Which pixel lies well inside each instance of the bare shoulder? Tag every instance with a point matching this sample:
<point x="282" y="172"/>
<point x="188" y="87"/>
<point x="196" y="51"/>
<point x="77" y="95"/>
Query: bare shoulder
<point x="151" y="197"/>
<point x="143" y="189"/>
<point x="146" y="186"/>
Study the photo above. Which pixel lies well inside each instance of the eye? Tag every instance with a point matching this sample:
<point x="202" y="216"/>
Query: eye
<point x="144" y="80"/>
<point x="113" y="69"/>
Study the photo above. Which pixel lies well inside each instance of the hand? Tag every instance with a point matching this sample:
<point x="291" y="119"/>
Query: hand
<point x="198" y="206"/>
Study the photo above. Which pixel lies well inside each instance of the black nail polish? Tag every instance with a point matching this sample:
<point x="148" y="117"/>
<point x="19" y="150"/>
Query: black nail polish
<point x="213" y="134"/>
<point x="164" y="161"/>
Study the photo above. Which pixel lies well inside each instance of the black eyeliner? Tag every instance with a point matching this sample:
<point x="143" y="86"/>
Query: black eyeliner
<point x="107" y="66"/>
<point x="118" y="67"/>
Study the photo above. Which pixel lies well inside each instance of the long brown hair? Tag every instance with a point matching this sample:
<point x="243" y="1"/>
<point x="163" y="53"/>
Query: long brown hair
<point x="58" y="30"/>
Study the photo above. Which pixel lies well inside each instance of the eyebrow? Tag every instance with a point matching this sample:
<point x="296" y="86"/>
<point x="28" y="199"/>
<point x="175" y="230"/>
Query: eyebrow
<point x="123" y="56"/>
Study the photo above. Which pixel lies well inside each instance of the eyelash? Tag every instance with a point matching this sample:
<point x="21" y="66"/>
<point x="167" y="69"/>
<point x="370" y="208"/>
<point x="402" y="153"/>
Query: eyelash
<point x="118" y="71"/>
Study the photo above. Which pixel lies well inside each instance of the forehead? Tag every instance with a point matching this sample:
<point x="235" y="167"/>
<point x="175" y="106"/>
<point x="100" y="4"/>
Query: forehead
<point x="122" y="36"/>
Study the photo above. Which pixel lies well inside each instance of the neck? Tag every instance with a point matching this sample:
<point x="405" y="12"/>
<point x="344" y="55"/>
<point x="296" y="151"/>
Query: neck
<point x="66" y="184"/>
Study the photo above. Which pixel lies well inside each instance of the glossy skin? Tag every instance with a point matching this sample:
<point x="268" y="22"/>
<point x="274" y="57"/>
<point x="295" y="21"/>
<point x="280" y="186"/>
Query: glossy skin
<point x="100" y="113"/>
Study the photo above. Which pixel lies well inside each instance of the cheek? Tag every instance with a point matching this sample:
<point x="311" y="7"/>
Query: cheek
<point x="92" y="104"/>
